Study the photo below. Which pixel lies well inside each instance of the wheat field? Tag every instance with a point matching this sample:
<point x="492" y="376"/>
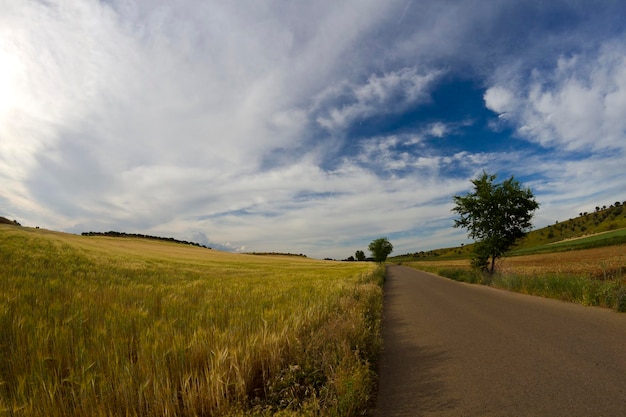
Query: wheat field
<point x="99" y="326"/>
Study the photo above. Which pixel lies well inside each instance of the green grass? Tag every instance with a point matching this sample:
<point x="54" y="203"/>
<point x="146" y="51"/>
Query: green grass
<point x="603" y="220"/>
<point x="578" y="288"/>
<point x="99" y="326"/>
<point x="602" y="228"/>
<point x="552" y="238"/>
<point x="616" y="237"/>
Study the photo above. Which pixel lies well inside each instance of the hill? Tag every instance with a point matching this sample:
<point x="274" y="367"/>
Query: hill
<point x="104" y="326"/>
<point x="142" y="236"/>
<point x="604" y="226"/>
<point x="578" y="260"/>
<point x="4" y="220"/>
<point x="604" y="219"/>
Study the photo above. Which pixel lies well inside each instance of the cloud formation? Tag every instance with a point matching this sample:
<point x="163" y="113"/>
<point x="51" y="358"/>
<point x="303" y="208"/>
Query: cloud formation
<point x="309" y="128"/>
<point x="576" y="105"/>
<point x="388" y="93"/>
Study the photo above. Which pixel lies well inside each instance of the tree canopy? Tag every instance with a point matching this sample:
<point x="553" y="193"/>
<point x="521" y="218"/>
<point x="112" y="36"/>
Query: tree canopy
<point x="496" y="215"/>
<point x="380" y="249"/>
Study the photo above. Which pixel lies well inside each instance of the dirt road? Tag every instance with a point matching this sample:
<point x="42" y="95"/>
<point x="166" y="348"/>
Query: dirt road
<point x="453" y="349"/>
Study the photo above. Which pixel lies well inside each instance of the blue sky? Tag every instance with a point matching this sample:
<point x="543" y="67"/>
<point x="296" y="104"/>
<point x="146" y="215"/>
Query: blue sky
<point x="305" y="127"/>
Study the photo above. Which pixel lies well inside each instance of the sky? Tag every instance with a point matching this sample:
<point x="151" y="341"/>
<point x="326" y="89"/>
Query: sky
<point x="306" y="127"/>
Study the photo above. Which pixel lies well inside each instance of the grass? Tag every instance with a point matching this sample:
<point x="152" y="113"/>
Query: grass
<point x="596" y="223"/>
<point x="604" y="227"/>
<point x="594" y="276"/>
<point x="595" y="241"/>
<point x="580" y="260"/>
<point x="101" y="326"/>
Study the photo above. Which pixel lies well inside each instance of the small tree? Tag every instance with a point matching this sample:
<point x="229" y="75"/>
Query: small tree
<point x="380" y="249"/>
<point x="359" y="255"/>
<point x="496" y="216"/>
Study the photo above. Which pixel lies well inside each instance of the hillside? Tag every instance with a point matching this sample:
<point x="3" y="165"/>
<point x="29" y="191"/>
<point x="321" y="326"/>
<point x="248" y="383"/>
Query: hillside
<point x="603" y="226"/>
<point x="112" y="326"/>
<point x="603" y="219"/>
<point x="142" y="236"/>
<point x="4" y="220"/>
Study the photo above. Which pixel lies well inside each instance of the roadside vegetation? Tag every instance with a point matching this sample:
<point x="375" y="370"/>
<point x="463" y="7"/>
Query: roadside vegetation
<point x="580" y="260"/>
<point x="616" y="237"/>
<point x="103" y="326"/>
<point x="593" y="277"/>
<point x="582" y="232"/>
<point x="495" y="215"/>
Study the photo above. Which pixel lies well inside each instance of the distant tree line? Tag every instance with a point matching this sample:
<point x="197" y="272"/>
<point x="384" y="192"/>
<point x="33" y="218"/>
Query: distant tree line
<point x="142" y="236"/>
<point x="277" y="254"/>
<point x="603" y="218"/>
<point x="424" y="254"/>
<point x="359" y="255"/>
<point x="4" y="220"/>
<point x="380" y="249"/>
<point x="353" y="259"/>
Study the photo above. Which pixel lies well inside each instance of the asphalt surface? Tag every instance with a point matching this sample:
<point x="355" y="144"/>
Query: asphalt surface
<point x="454" y="349"/>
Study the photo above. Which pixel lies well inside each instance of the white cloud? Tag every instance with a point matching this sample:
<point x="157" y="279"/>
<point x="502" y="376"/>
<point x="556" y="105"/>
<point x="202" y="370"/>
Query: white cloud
<point x="392" y="92"/>
<point x="320" y="224"/>
<point x="573" y="109"/>
<point x="228" y="123"/>
<point x="438" y="129"/>
<point x="579" y="105"/>
<point x="410" y="155"/>
<point x="499" y="99"/>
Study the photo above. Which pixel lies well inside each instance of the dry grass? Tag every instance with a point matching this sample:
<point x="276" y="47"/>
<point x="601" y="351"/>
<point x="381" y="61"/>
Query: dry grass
<point x="98" y="326"/>
<point x="591" y="277"/>
<point x="599" y="263"/>
<point x="591" y="262"/>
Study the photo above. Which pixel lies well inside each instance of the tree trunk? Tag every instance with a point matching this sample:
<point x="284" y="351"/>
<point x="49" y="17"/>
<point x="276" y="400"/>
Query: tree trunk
<point x="493" y="265"/>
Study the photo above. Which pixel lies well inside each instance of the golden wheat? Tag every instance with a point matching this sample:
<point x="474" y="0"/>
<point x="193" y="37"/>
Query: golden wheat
<point x="98" y="326"/>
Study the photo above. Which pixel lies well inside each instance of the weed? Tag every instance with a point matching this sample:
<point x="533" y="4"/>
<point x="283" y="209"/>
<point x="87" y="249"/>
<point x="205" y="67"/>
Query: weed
<point x="620" y="299"/>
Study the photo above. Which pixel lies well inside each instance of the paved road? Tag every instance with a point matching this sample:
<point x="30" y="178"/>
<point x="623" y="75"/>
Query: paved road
<point x="453" y="349"/>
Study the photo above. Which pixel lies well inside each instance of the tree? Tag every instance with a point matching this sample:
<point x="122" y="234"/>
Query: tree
<point x="496" y="216"/>
<point x="359" y="255"/>
<point x="380" y="248"/>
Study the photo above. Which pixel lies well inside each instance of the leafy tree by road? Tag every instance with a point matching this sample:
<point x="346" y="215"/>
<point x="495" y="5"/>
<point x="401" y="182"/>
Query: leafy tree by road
<point x="496" y="215"/>
<point x="359" y="255"/>
<point x="380" y="249"/>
